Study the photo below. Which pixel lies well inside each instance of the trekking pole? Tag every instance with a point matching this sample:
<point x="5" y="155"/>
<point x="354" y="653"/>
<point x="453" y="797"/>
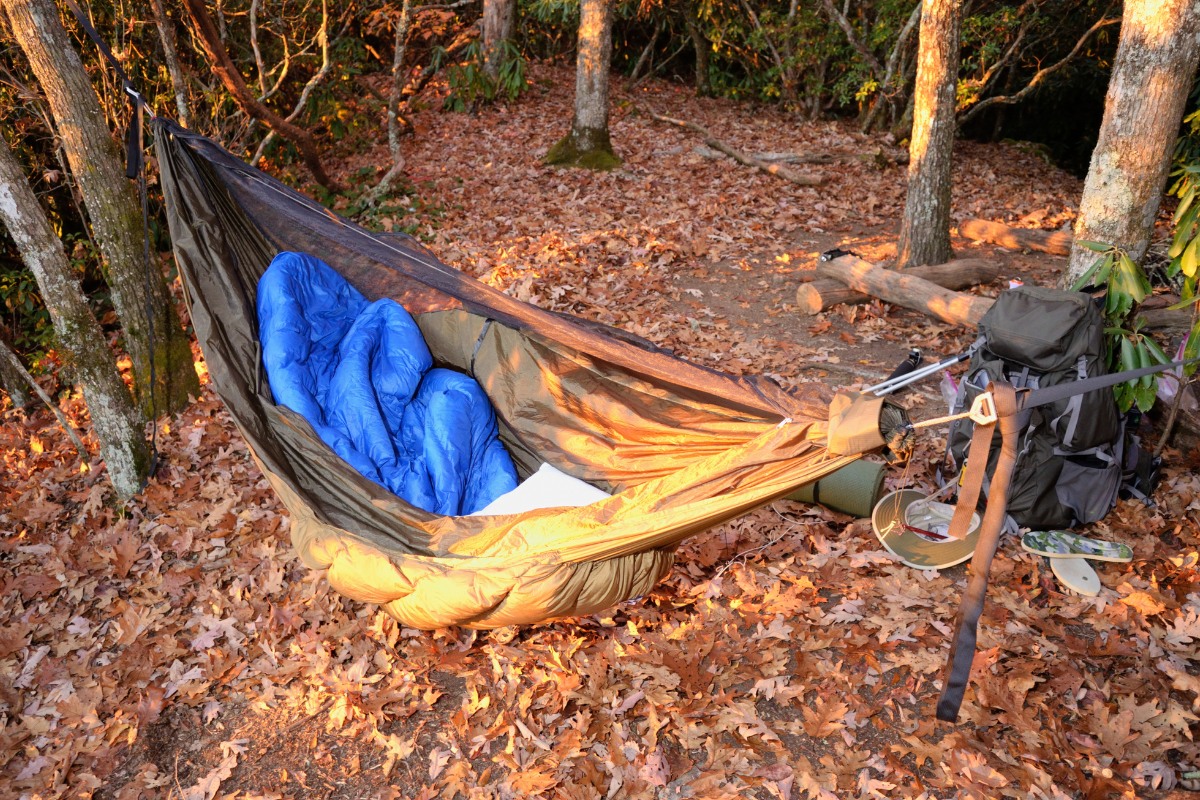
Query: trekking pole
<point x="983" y="412"/>
<point x="892" y="384"/>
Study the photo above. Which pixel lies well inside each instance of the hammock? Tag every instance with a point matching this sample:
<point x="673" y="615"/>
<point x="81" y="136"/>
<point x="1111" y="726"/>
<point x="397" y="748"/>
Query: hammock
<point x="679" y="447"/>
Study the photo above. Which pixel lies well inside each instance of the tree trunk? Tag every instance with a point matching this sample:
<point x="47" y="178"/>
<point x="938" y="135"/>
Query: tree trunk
<point x="1152" y="73"/>
<point x="114" y="418"/>
<point x="925" y="229"/>
<point x="166" y="33"/>
<point x="499" y="22"/>
<point x="700" y="45"/>
<point x="12" y="382"/>
<point x="112" y="205"/>
<point x="227" y="72"/>
<point x="826" y="292"/>
<point x="588" y="144"/>
<point x="909" y="291"/>
<point x="401" y="25"/>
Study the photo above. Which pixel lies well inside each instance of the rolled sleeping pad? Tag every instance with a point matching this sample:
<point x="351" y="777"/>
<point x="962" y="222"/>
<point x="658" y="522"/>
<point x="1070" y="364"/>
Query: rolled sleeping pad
<point x="853" y="489"/>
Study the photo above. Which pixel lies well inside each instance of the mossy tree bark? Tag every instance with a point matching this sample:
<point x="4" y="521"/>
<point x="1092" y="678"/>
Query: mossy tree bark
<point x="1152" y="73"/>
<point x="925" y="228"/>
<point x="112" y="205"/>
<point x="114" y="418"/>
<point x="588" y="144"/>
<point x="499" y="23"/>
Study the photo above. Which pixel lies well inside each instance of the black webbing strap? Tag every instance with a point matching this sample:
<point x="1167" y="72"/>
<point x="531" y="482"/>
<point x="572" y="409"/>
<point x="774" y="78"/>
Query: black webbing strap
<point x="1008" y="404"/>
<point x="135" y="168"/>
<point x="134" y="134"/>
<point x="1051" y="394"/>
<point x="479" y="343"/>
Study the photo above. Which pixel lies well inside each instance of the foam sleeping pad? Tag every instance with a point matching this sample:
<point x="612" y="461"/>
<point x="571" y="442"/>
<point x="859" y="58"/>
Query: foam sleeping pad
<point x="363" y="377"/>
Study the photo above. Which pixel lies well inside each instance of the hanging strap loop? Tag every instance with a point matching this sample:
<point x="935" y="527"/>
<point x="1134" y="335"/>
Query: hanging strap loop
<point x="134" y="135"/>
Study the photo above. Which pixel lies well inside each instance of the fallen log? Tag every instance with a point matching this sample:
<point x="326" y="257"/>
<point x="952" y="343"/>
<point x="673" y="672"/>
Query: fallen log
<point x="907" y="290"/>
<point x="1175" y="322"/>
<point x="770" y="158"/>
<point x="745" y="160"/>
<point x="824" y="293"/>
<point x="981" y="230"/>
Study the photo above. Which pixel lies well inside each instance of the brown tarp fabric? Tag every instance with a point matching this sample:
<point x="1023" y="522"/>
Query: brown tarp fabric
<point x="682" y="447"/>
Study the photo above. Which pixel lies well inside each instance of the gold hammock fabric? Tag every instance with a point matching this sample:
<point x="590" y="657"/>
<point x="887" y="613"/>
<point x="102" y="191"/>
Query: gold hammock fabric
<point x="680" y="447"/>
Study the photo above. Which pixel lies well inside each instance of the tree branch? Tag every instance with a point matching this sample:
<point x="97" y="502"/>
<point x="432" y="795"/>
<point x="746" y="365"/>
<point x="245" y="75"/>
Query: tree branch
<point x="893" y="60"/>
<point x="10" y="358"/>
<point x="224" y="68"/>
<point x="313" y="82"/>
<point x="1039" y="77"/>
<point x="851" y="36"/>
<point x="738" y="156"/>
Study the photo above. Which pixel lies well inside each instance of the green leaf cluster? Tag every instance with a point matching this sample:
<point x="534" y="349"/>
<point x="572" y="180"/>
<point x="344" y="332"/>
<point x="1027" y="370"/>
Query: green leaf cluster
<point x="471" y="86"/>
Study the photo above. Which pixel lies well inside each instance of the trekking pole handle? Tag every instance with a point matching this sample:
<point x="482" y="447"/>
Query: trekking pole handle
<point x="983" y="412"/>
<point x="892" y="384"/>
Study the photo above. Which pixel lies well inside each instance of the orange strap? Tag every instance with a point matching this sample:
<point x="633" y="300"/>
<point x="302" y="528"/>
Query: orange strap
<point x="962" y="648"/>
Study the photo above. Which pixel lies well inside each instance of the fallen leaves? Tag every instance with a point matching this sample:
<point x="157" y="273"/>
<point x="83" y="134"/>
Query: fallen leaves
<point x="176" y="646"/>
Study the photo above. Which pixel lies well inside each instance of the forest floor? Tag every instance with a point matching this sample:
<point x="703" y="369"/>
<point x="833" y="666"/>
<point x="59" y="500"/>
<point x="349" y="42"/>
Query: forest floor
<point x="176" y="647"/>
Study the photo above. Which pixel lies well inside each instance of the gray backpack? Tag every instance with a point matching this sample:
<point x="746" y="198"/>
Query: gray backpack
<point x="1072" y="453"/>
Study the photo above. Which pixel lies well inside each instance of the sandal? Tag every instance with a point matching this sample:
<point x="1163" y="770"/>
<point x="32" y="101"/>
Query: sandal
<point x="1064" y="544"/>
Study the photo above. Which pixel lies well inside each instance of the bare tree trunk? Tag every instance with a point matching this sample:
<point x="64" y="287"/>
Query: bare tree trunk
<point x="884" y="95"/>
<point x="588" y="144"/>
<point x="225" y="70"/>
<point x="1152" y="73"/>
<point x="925" y="229"/>
<point x="12" y="382"/>
<point x="644" y="58"/>
<point x="166" y="33"/>
<point x="139" y="292"/>
<point x="11" y="366"/>
<point x="393" y="107"/>
<point x="499" y="22"/>
<point x="117" y="425"/>
<point x="701" y="45"/>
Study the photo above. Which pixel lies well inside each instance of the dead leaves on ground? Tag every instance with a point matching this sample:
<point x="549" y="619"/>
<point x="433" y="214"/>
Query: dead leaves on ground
<point x="177" y="648"/>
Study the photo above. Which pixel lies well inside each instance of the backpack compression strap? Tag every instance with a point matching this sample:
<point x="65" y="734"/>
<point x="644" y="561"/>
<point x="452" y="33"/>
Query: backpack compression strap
<point x="1008" y="404"/>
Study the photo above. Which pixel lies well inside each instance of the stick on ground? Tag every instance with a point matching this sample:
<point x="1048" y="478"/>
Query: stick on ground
<point x="11" y="358"/>
<point x="777" y="170"/>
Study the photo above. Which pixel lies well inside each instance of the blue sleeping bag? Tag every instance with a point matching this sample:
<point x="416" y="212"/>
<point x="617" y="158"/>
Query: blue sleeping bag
<point x="363" y="376"/>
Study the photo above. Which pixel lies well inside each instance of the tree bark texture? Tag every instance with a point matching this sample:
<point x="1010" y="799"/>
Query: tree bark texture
<point x="925" y="228"/>
<point x="826" y="292"/>
<point x="227" y="72"/>
<point x="1152" y="73"/>
<point x="166" y="33"/>
<point x="499" y="22"/>
<point x="909" y="291"/>
<point x="981" y="230"/>
<point x="114" y="418"/>
<point x="590" y="126"/>
<point x="112" y="205"/>
<point x="701" y="45"/>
